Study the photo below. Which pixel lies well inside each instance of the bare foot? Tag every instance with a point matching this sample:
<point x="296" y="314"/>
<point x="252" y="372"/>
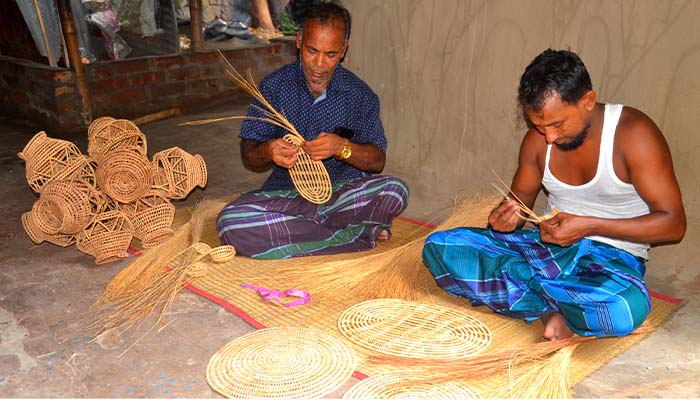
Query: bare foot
<point x="555" y="327"/>
<point x="383" y="235"/>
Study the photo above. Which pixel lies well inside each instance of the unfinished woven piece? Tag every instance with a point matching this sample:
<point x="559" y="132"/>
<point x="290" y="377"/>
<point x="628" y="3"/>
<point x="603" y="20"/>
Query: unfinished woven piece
<point x="152" y="216"/>
<point x="125" y="174"/>
<point x="414" y="330"/>
<point x="38" y="237"/>
<point x="66" y="207"/>
<point x="177" y="172"/>
<point x="398" y="385"/>
<point x="106" y="134"/>
<point x="309" y="177"/>
<point x="281" y="363"/>
<point x="107" y="237"/>
<point x="48" y="159"/>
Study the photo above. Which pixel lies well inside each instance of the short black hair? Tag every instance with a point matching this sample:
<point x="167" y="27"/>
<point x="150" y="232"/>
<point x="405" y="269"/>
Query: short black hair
<point x="559" y="72"/>
<point x="326" y="11"/>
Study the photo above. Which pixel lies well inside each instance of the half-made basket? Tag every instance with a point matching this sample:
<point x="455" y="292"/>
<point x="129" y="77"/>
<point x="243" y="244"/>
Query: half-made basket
<point x="309" y="176"/>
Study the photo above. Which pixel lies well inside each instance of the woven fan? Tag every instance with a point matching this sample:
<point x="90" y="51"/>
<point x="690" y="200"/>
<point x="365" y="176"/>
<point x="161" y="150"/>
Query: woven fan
<point x="414" y="330"/>
<point x="310" y="177"/>
<point x="281" y="363"/>
<point x="392" y="385"/>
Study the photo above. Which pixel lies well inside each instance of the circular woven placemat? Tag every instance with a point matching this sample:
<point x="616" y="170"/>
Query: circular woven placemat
<point x="409" y="329"/>
<point x="398" y="385"/>
<point x="281" y="363"/>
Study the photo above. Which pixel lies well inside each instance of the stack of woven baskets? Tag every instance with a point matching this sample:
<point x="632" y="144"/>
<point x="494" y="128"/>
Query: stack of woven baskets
<point x="103" y="200"/>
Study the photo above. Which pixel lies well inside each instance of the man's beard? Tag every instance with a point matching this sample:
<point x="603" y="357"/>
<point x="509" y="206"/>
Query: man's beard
<point x="576" y="141"/>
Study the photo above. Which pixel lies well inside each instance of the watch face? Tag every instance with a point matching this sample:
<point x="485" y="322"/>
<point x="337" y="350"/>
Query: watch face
<point x="346" y="151"/>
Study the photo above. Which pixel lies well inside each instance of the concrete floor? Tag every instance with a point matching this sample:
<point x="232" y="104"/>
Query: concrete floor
<point x="46" y="292"/>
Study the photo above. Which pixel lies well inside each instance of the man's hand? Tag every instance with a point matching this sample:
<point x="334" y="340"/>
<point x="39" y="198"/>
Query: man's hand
<point x="323" y="146"/>
<point x="282" y="152"/>
<point x="504" y="218"/>
<point x="564" y="229"/>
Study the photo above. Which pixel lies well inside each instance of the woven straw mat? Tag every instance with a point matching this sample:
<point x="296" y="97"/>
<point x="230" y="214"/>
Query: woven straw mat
<point x="281" y="363"/>
<point x="222" y="284"/>
<point x="394" y="385"/>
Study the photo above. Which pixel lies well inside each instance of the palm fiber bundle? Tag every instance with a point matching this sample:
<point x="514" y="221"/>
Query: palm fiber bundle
<point x="154" y="279"/>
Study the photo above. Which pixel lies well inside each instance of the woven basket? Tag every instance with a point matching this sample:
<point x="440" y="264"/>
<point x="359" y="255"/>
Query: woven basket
<point x="398" y="385"/>
<point x="414" y="330"/>
<point x="105" y="135"/>
<point x="66" y="207"/>
<point x="38" y="237"/>
<point x="176" y="172"/>
<point x="309" y="177"/>
<point x="152" y="216"/>
<point x="282" y="363"/>
<point x="107" y="237"/>
<point x="125" y="174"/>
<point x="50" y="159"/>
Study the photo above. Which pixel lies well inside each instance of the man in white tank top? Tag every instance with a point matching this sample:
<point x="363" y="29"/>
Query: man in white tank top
<point x="607" y="169"/>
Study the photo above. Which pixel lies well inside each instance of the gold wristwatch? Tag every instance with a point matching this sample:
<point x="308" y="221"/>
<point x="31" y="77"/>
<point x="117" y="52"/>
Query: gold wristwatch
<point x="346" y="151"/>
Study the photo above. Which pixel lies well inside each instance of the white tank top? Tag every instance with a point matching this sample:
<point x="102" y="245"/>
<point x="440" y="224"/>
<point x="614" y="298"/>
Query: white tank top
<point x="604" y="196"/>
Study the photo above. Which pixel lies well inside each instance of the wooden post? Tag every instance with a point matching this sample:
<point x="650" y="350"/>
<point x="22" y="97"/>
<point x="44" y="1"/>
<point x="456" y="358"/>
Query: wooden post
<point x="52" y="61"/>
<point x="196" y="26"/>
<point x="73" y="49"/>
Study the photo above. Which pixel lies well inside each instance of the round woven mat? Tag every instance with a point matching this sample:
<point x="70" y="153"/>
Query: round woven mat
<point x="409" y="329"/>
<point x="398" y="385"/>
<point x="281" y="363"/>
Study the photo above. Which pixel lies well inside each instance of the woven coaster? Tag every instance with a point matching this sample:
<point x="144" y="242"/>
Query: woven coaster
<point x="414" y="330"/>
<point x="281" y="363"/>
<point x="398" y="385"/>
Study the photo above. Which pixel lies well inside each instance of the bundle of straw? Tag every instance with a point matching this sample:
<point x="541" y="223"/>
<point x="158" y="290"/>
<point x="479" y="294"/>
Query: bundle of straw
<point x="395" y="273"/>
<point x="538" y="370"/>
<point x="154" y="279"/>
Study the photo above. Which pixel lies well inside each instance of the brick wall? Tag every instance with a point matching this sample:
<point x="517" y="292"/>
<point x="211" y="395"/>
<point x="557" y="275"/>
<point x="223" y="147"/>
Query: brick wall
<point x="130" y="88"/>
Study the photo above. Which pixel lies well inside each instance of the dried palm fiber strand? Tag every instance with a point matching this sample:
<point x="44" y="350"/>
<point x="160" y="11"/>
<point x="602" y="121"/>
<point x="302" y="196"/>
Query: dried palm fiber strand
<point x="49" y="159"/>
<point x="281" y="363"/>
<point x="488" y="365"/>
<point x="414" y="330"/>
<point x="125" y="174"/>
<point x="152" y="216"/>
<point x="400" y="385"/>
<point x="66" y="206"/>
<point x="529" y="215"/>
<point x="38" y="237"/>
<point x="395" y="273"/>
<point x="154" y="279"/>
<point x="107" y="237"/>
<point x="309" y="177"/>
<point x="177" y="172"/>
<point x="105" y="135"/>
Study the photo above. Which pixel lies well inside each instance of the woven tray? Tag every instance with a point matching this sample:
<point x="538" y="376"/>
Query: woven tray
<point x="281" y="363"/>
<point x="414" y="330"/>
<point x="393" y="385"/>
<point x="309" y="177"/>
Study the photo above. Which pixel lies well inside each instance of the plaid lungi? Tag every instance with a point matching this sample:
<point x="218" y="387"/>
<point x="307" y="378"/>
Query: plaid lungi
<point x="282" y="224"/>
<point x="599" y="289"/>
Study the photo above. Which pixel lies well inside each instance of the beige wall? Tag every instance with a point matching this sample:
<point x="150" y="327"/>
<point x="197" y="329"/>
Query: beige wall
<point x="447" y="73"/>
